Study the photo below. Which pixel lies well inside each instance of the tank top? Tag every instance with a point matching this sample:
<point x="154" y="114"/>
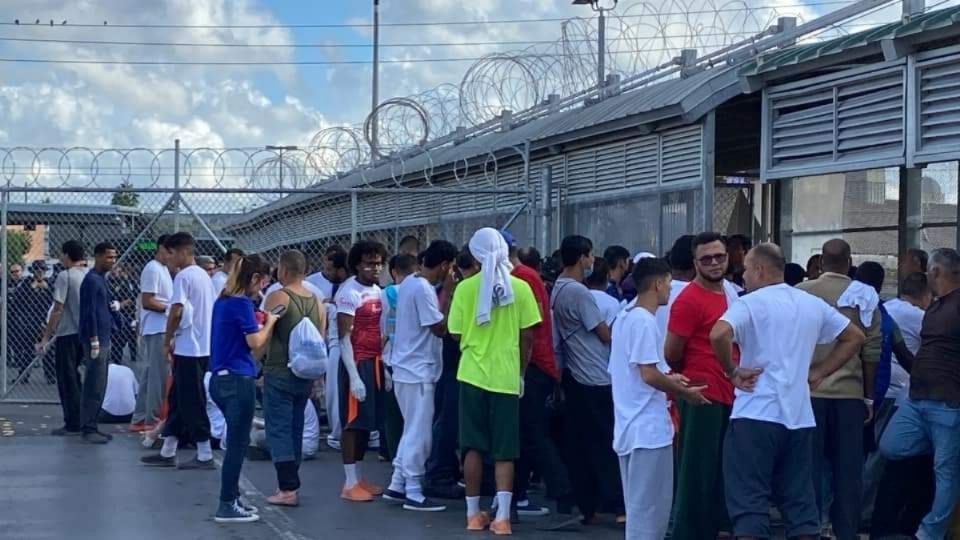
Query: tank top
<point x="298" y="308"/>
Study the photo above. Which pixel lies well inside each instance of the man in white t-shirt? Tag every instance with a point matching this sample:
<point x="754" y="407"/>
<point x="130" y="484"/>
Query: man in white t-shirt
<point x="417" y="363"/>
<point x="907" y="311"/>
<point x="187" y="338"/>
<point x="597" y="282"/>
<point x="328" y="280"/>
<point x="230" y="260"/>
<point x="643" y="429"/>
<point x="768" y="448"/>
<point x="156" y="288"/>
<point x="120" y="396"/>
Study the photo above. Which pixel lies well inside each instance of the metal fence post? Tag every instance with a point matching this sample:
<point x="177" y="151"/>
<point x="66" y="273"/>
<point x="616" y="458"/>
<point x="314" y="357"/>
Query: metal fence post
<point x="4" y="307"/>
<point x="354" y="216"/>
<point x="176" y="185"/>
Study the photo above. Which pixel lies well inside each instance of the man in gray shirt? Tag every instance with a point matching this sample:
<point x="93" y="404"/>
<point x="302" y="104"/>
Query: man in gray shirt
<point x="64" y="326"/>
<point x="582" y="343"/>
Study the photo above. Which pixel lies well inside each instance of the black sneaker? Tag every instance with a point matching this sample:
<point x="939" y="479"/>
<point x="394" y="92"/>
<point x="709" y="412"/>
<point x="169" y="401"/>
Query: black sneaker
<point x="96" y="437"/>
<point x="394" y="496"/>
<point x="64" y="432"/>
<point x="196" y="464"/>
<point x="426" y="505"/>
<point x="527" y="508"/>
<point x="157" y="460"/>
<point x="234" y="513"/>
<point x="561" y="522"/>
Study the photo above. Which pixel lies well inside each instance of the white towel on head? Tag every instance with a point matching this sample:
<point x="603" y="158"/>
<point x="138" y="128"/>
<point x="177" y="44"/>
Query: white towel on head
<point x="643" y="255"/>
<point x="490" y="250"/>
<point x="862" y="297"/>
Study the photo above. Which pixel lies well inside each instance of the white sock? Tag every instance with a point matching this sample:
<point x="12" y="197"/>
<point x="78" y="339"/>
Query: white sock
<point x="350" y="471"/>
<point x="169" y="447"/>
<point x="204" y="452"/>
<point x="473" y="506"/>
<point x="503" y="505"/>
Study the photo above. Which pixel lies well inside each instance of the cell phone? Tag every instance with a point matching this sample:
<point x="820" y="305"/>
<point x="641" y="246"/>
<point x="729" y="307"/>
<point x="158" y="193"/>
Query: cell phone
<point x="279" y="310"/>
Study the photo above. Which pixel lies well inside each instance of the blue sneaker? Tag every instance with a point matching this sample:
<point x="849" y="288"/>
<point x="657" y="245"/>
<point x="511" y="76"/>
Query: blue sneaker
<point x="233" y="513"/>
<point x="394" y="496"/>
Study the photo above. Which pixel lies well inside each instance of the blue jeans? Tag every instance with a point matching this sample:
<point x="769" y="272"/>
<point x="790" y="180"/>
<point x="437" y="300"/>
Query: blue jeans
<point x="924" y="427"/>
<point x="235" y="396"/>
<point x="284" y="400"/>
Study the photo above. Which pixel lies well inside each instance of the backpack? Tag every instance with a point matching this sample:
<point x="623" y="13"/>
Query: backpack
<point x="307" y="350"/>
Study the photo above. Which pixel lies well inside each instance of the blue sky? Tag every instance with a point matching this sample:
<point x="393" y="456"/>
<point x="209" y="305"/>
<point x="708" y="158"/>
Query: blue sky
<point x="124" y="106"/>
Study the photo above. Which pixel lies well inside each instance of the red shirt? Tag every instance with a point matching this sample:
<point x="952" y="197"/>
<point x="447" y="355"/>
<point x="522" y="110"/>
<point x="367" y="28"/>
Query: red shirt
<point x="692" y="316"/>
<point x="542" y="355"/>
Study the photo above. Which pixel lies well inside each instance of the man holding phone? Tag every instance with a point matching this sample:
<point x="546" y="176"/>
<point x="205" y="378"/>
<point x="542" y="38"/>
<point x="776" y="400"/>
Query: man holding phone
<point x="699" y="509"/>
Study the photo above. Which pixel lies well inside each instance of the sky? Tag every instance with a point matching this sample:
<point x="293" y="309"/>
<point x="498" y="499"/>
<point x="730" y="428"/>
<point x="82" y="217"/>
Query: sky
<point x="130" y="106"/>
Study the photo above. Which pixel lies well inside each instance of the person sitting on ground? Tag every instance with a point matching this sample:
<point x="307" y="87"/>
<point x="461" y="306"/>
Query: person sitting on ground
<point x="120" y="397"/>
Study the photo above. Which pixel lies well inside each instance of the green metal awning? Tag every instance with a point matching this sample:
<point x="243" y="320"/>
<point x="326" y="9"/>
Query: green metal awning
<point x="799" y="54"/>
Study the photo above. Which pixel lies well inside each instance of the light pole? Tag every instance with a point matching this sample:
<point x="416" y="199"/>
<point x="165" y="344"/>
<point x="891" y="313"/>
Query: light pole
<point x="375" y="93"/>
<point x="281" y="150"/>
<point x="601" y="35"/>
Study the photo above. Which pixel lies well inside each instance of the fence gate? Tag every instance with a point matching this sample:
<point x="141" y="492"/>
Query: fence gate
<point x="256" y="200"/>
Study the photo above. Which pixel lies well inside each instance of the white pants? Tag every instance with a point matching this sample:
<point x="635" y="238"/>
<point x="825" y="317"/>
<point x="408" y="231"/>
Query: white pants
<point x="647" y="477"/>
<point x="416" y="406"/>
<point x="332" y="393"/>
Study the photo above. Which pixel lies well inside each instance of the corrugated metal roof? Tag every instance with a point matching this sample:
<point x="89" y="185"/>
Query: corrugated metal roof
<point x="677" y="97"/>
<point x="799" y="54"/>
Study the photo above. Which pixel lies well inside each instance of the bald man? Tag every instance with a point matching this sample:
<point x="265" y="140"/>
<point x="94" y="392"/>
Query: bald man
<point x="844" y="402"/>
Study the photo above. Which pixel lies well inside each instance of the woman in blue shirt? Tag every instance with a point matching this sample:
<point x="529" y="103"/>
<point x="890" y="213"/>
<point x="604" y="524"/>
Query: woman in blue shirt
<point x="236" y="339"/>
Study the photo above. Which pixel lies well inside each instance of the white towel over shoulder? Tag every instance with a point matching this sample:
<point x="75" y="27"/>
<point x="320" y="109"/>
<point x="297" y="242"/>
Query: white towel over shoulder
<point x="862" y="297"/>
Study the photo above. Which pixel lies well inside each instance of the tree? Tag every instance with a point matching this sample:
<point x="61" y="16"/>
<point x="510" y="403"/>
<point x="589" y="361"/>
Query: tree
<point x="18" y="244"/>
<point x="125" y="196"/>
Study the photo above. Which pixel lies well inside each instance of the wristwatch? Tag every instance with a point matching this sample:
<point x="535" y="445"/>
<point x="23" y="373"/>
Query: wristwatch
<point x="732" y="373"/>
<point x="868" y="402"/>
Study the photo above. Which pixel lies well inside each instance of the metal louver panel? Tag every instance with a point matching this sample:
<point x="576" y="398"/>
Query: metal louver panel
<point x="937" y="84"/>
<point x="642" y="160"/>
<point x="835" y="123"/>
<point x="681" y="154"/>
<point x="581" y="172"/>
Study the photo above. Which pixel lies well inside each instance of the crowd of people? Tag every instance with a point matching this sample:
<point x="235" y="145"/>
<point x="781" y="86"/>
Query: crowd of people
<point x="683" y="396"/>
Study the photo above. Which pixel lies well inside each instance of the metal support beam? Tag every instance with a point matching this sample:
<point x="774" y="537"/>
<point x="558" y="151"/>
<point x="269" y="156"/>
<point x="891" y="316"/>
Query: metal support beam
<point x="909" y="210"/>
<point x="784" y="233"/>
<point x="354" y="217"/>
<point x="708" y="171"/>
<point x="203" y="225"/>
<point x="546" y="210"/>
<point x="143" y="232"/>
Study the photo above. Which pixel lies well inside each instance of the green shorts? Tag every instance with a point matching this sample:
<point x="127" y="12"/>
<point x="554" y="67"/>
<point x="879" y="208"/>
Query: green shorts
<point x="489" y="423"/>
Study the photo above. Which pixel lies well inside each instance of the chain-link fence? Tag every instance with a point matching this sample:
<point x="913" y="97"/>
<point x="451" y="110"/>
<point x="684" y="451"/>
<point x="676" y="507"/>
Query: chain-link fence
<point x="226" y="199"/>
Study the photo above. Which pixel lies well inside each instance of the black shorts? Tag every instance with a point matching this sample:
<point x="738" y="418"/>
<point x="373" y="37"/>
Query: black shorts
<point x="489" y="422"/>
<point x="362" y="415"/>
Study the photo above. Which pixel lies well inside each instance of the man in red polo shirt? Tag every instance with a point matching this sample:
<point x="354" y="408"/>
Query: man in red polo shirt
<point x="536" y="446"/>
<point x="699" y="509"/>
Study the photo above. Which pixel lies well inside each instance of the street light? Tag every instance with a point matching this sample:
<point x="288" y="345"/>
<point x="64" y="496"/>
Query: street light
<point x="601" y="34"/>
<point x="281" y="150"/>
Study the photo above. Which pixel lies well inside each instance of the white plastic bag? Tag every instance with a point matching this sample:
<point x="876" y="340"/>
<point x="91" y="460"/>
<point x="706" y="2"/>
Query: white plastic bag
<point x="307" y="351"/>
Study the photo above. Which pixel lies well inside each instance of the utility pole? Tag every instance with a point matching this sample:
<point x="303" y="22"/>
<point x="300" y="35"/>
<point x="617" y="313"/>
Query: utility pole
<point x="375" y="93"/>
<point x="597" y="6"/>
